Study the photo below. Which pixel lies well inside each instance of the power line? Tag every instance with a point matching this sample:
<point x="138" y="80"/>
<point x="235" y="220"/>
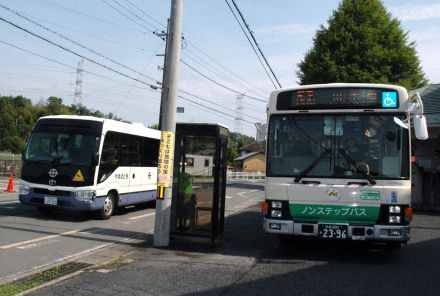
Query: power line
<point x="88" y="34"/>
<point x="207" y="66"/>
<point x="77" y="54"/>
<point x="146" y="14"/>
<point x="106" y="67"/>
<point x="251" y="44"/>
<point x="68" y="39"/>
<point x="91" y="16"/>
<point x="223" y="67"/>
<point x="127" y="16"/>
<point x="209" y="108"/>
<point x="219" y="84"/>
<point x="216" y="104"/>
<point x="256" y="43"/>
<point x="135" y="15"/>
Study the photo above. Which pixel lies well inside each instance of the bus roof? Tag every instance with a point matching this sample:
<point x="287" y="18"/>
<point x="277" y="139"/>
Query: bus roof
<point x="111" y="125"/>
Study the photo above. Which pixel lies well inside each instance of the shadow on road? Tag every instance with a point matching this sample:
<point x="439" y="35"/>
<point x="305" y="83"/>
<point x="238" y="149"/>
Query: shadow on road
<point x="317" y="267"/>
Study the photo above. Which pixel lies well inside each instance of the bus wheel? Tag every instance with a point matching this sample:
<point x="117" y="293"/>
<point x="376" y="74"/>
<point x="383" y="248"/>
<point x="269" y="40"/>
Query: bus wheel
<point x="109" y="207"/>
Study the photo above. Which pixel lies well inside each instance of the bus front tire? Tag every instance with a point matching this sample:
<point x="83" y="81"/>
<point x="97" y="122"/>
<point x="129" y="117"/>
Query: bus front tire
<point x="108" y="208"/>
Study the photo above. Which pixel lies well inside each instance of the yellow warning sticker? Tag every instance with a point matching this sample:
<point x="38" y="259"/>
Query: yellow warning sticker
<point x="78" y="177"/>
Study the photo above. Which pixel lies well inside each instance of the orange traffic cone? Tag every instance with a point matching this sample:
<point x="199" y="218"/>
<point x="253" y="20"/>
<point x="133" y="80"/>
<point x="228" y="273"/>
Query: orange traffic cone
<point x="10" y="184"/>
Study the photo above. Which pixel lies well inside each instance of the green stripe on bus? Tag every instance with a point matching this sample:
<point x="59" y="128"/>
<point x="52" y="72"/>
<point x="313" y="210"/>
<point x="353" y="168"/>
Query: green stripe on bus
<point x="336" y="213"/>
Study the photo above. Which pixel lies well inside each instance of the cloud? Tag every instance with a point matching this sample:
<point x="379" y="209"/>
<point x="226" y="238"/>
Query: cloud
<point x="413" y="12"/>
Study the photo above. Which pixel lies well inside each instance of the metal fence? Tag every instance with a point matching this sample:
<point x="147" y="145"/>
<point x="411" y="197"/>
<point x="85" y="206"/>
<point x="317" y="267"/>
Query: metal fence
<point x="10" y="164"/>
<point x="249" y="176"/>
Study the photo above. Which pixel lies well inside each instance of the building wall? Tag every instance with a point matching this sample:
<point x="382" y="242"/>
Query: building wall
<point x="255" y="163"/>
<point x="199" y="165"/>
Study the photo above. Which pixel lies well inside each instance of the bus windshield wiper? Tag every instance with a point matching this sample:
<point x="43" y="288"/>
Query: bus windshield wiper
<point x="356" y="165"/>
<point x="311" y="166"/>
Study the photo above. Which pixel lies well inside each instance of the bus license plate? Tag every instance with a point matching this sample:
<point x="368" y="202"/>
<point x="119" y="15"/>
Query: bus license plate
<point x="48" y="200"/>
<point x="332" y="231"/>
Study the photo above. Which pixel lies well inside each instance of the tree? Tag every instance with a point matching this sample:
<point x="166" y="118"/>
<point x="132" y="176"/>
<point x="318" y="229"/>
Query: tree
<point x="18" y="116"/>
<point x="362" y="43"/>
<point x="236" y="141"/>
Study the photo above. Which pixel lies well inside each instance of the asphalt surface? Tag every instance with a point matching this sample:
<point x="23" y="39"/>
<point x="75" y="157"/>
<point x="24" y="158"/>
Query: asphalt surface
<point x="31" y="241"/>
<point x="251" y="262"/>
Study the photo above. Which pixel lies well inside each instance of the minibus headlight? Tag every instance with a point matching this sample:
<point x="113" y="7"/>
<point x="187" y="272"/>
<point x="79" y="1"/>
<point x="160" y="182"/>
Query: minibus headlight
<point x="276" y="204"/>
<point x="23" y="189"/>
<point x="85" y="195"/>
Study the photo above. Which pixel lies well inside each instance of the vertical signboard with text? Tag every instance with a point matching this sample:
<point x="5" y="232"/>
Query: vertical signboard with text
<point x="165" y="162"/>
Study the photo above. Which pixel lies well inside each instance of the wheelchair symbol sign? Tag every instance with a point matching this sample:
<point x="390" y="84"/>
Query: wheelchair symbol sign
<point x="389" y="99"/>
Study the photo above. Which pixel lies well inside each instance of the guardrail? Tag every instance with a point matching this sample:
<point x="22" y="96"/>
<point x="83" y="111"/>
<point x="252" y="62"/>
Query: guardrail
<point x="250" y="176"/>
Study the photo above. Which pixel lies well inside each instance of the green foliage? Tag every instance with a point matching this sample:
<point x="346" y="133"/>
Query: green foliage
<point x="236" y="141"/>
<point x="362" y="43"/>
<point x="18" y="116"/>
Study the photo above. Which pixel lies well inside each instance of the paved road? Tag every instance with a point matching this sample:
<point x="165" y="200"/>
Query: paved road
<point x="30" y="241"/>
<point x="253" y="263"/>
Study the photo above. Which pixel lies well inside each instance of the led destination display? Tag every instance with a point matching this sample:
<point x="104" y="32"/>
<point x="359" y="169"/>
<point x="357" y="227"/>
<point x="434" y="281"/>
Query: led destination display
<point x="338" y="98"/>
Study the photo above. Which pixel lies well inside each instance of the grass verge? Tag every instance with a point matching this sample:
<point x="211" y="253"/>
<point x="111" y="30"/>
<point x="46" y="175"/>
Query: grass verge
<point x="40" y="278"/>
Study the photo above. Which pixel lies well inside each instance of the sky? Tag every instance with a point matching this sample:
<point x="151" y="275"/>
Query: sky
<point x="217" y="64"/>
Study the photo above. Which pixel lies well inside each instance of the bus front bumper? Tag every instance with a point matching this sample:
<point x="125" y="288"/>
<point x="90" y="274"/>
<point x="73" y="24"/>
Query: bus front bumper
<point x="385" y="233"/>
<point x="62" y="202"/>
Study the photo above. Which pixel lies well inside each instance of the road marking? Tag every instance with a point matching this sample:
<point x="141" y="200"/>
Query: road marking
<point x="9" y="208"/>
<point x="30" y="246"/>
<point x="9" y="202"/>
<point x="18" y="244"/>
<point x="53" y="263"/>
<point x="229" y="196"/>
<point x="142" y="216"/>
<point x="247" y="192"/>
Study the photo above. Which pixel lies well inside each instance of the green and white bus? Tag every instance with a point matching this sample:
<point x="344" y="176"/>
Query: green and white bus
<point x="338" y="162"/>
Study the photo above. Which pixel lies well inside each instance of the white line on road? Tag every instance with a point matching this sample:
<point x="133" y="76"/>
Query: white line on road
<point x="40" y="267"/>
<point x="247" y="192"/>
<point x="9" y="208"/>
<point x="9" y="202"/>
<point x="18" y="244"/>
<point x="229" y="196"/>
<point x="142" y="216"/>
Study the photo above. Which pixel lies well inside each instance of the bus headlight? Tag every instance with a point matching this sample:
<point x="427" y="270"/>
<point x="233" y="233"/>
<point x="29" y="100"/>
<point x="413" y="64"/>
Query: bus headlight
<point x="24" y="189"/>
<point x="395" y="209"/>
<point x="85" y="195"/>
<point x="276" y="214"/>
<point x="394" y="219"/>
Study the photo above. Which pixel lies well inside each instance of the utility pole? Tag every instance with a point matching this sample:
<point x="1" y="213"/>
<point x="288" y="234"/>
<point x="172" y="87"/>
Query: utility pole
<point x="168" y="128"/>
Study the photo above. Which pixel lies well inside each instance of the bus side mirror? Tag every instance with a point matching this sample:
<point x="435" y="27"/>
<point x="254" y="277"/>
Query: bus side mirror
<point x="420" y="127"/>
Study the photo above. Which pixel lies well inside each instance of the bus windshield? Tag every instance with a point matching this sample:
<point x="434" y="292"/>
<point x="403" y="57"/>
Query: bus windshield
<point x="59" y="145"/>
<point x="348" y="146"/>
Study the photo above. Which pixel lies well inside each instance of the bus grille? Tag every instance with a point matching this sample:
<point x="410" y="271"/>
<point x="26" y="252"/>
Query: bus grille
<point x="50" y="193"/>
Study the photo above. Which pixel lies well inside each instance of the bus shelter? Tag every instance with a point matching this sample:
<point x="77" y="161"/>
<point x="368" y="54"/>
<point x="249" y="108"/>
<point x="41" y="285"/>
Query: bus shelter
<point x="199" y="181"/>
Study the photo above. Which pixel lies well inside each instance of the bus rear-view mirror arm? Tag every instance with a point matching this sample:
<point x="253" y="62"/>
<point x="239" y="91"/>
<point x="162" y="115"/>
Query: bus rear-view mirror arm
<point x="415" y="108"/>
